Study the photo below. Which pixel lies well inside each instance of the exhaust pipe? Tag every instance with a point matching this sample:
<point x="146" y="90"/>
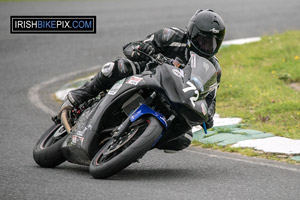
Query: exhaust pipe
<point x="65" y="122"/>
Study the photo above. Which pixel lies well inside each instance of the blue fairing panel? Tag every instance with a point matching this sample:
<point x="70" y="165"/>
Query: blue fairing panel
<point x="143" y="110"/>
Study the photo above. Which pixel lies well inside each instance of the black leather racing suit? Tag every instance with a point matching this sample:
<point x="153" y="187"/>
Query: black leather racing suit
<point x="172" y="43"/>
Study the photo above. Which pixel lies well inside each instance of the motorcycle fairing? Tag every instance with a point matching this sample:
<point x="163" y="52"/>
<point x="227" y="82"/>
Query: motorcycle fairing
<point x="184" y="89"/>
<point x="82" y="152"/>
<point x="187" y="90"/>
<point x="143" y="110"/>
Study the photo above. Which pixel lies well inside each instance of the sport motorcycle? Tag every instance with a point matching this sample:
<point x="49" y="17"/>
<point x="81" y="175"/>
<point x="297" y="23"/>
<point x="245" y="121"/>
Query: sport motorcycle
<point x="136" y="115"/>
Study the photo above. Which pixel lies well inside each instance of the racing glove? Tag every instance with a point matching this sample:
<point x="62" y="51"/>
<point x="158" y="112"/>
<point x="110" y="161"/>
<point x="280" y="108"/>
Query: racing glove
<point x="209" y="123"/>
<point x="131" y="51"/>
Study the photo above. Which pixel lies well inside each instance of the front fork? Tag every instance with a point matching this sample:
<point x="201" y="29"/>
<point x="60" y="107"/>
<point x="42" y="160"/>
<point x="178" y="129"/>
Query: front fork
<point x="140" y="111"/>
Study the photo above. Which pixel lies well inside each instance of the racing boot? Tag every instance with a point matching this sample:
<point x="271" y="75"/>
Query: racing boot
<point x="178" y="144"/>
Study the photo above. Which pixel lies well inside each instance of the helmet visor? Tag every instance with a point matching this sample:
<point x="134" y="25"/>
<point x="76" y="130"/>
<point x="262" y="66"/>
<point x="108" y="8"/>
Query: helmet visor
<point x="206" y="44"/>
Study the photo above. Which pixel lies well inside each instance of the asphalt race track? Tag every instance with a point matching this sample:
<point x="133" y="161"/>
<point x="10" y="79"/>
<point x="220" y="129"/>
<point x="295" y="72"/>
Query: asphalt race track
<point x="26" y="60"/>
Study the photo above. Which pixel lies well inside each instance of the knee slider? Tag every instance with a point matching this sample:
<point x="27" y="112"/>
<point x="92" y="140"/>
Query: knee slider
<point x="107" y="69"/>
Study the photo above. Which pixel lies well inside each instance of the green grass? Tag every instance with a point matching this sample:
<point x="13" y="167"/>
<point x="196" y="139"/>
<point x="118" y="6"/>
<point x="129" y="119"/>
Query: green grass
<point x="255" y="84"/>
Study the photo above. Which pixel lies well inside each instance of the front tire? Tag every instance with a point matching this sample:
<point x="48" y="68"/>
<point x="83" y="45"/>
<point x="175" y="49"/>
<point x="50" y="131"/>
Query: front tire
<point x="115" y="155"/>
<point x="47" y="151"/>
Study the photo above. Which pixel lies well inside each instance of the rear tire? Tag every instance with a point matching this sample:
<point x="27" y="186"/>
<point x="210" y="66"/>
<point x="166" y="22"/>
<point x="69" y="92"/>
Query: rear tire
<point x="47" y="152"/>
<point x="105" y="164"/>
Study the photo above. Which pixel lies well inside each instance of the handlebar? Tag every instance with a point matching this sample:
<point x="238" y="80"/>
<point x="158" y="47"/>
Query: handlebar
<point x="161" y="59"/>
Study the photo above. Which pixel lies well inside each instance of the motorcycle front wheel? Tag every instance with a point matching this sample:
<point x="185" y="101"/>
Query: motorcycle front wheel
<point x="47" y="151"/>
<point x="134" y="143"/>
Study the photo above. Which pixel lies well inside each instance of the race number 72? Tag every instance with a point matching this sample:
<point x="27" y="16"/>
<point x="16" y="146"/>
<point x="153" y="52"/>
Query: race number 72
<point x="193" y="99"/>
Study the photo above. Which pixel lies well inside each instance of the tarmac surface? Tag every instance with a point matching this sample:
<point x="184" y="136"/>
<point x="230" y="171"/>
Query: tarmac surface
<point x="28" y="60"/>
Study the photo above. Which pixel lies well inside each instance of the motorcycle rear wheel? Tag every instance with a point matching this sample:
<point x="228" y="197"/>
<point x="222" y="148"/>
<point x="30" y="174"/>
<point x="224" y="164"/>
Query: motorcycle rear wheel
<point x="118" y="154"/>
<point x="47" y="151"/>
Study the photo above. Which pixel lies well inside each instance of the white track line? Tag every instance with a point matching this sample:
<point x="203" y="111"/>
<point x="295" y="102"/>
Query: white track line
<point x="33" y="93"/>
<point x="241" y="41"/>
<point x="266" y="164"/>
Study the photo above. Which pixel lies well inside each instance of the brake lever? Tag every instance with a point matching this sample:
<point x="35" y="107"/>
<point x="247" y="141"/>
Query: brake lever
<point x="160" y="59"/>
<point x="152" y="58"/>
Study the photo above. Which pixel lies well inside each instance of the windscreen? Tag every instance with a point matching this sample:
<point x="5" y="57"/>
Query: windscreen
<point x="203" y="74"/>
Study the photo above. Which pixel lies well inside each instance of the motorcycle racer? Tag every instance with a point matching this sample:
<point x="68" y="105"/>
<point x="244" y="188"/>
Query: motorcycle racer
<point x="203" y="36"/>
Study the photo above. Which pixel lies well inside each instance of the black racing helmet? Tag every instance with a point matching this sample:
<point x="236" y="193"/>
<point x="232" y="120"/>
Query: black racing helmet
<point x="206" y="31"/>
